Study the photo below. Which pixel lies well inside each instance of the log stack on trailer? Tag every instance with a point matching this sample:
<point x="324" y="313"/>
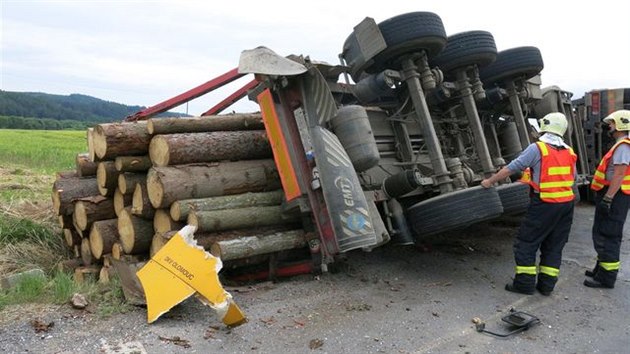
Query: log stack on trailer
<point x="139" y="182"/>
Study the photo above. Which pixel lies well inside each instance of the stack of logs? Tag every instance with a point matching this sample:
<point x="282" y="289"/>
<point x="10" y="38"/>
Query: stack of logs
<point x="140" y="182"/>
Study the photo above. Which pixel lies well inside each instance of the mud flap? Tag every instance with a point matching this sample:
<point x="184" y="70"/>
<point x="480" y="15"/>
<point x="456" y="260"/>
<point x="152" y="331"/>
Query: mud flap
<point x="180" y="269"/>
<point x="346" y="203"/>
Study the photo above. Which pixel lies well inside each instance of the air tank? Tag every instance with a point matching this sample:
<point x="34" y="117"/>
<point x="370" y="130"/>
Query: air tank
<point x="352" y="127"/>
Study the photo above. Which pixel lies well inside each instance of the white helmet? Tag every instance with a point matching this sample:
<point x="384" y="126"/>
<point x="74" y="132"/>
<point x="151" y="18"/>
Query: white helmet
<point x="555" y="123"/>
<point x="621" y="119"/>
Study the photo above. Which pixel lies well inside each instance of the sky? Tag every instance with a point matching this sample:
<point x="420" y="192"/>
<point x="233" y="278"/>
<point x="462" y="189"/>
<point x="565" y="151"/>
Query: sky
<point x="143" y="52"/>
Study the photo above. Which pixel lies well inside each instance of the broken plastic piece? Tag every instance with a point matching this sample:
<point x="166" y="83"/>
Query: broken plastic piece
<point x="180" y="269"/>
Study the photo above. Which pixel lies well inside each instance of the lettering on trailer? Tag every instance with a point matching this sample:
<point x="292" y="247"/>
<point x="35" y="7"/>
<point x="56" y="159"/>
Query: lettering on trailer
<point x="179" y="267"/>
<point x="346" y="188"/>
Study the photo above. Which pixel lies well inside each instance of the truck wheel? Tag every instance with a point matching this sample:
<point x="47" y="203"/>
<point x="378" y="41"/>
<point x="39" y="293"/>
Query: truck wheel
<point x="403" y="34"/>
<point x="514" y="197"/>
<point x="466" y="48"/>
<point x="519" y="62"/>
<point x="454" y="210"/>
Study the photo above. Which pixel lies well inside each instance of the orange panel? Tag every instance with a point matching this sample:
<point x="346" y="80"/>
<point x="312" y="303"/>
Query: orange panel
<point x="279" y="146"/>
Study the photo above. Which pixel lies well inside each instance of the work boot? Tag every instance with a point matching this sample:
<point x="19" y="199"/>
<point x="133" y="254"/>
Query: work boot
<point x="514" y="289"/>
<point x="595" y="284"/>
<point x="546" y="283"/>
<point x="591" y="273"/>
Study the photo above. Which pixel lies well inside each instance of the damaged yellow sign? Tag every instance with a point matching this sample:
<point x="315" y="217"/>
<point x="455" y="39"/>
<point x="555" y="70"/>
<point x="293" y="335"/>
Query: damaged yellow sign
<point x="180" y="269"/>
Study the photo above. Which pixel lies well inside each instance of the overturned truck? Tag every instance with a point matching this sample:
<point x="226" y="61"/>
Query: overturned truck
<point x="387" y="147"/>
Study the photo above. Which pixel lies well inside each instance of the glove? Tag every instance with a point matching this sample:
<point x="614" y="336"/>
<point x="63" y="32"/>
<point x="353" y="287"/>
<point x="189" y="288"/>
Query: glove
<point x="604" y="205"/>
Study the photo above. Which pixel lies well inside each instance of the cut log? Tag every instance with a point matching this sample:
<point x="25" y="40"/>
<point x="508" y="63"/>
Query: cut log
<point x="140" y="204"/>
<point x="181" y="208"/>
<point x="107" y="178"/>
<point x="162" y="222"/>
<point x="67" y="174"/>
<point x="168" y="184"/>
<point x="250" y="121"/>
<point x="121" y="139"/>
<point x="121" y="201"/>
<point x="159" y="240"/>
<point x="244" y="247"/>
<point x="135" y="233"/>
<point x="72" y="237"/>
<point x="105" y="274"/>
<point x="66" y="190"/>
<point x="85" y="167"/>
<point x="65" y="221"/>
<point x="69" y="265"/>
<point x="89" y="210"/>
<point x="127" y="181"/>
<point x="137" y="164"/>
<point x="89" y="134"/>
<point x="87" y="273"/>
<point x="228" y="219"/>
<point x="103" y="235"/>
<point x="179" y="149"/>
<point x="117" y="251"/>
<point x="86" y="253"/>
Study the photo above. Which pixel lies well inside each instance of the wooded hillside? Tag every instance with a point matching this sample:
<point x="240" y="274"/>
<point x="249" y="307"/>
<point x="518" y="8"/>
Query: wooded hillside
<point x="18" y="109"/>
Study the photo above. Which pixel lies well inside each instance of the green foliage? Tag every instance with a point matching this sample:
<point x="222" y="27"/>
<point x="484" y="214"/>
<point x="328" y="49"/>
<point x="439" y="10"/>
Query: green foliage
<point x="14" y="122"/>
<point x="14" y="230"/>
<point x="41" y="150"/>
<point x="62" y="287"/>
<point x="28" y="289"/>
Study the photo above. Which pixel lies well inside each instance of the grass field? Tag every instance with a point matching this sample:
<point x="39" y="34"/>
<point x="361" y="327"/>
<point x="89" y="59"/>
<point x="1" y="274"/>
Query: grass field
<point x="29" y="235"/>
<point x="42" y="151"/>
<point x="29" y="160"/>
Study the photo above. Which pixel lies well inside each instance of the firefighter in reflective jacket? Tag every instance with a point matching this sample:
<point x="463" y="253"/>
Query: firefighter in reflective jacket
<point x="549" y="166"/>
<point x="611" y="181"/>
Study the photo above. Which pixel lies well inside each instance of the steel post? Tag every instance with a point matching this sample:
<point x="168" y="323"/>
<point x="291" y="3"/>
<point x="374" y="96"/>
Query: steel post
<point x="481" y="145"/>
<point x="519" y="119"/>
<point x="411" y="77"/>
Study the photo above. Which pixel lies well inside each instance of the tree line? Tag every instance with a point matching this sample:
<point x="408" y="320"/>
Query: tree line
<point x="36" y="110"/>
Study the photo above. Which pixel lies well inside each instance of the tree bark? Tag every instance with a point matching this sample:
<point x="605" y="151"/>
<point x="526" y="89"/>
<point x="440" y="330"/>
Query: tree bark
<point x="138" y="164"/>
<point x="228" y="219"/>
<point x="65" y="221"/>
<point x="141" y="205"/>
<point x="85" y="167"/>
<point x="181" y="208"/>
<point x="168" y="184"/>
<point x="244" y="247"/>
<point x="121" y="139"/>
<point x="127" y="181"/>
<point x="107" y="178"/>
<point x="66" y="190"/>
<point x="163" y="223"/>
<point x="251" y="121"/>
<point x="88" y="210"/>
<point x="135" y="233"/>
<point x="179" y="149"/>
<point x="103" y="235"/>
<point x="121" y="201"/>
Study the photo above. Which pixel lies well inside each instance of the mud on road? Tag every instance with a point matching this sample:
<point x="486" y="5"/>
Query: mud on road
<point x="392" y="300"/>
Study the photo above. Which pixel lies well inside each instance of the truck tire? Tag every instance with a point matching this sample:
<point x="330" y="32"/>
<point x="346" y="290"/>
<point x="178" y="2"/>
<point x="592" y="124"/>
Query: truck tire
<point x="466" y="48"/>
<point x="519" y="62"/>
<point x="454" y="210"/>
<point x="514" y="197"/>
<point x="403" y="34"/>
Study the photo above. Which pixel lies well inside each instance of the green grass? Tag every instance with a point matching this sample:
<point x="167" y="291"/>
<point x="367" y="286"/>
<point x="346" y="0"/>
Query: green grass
<point x="42" y="151"/>
<point x="107" y="299"/>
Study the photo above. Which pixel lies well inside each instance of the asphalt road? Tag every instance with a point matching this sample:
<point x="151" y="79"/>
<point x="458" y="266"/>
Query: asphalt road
<point x="392" y="300"/>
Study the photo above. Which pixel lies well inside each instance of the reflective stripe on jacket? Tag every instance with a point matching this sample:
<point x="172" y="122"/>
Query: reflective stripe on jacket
<point x="599" y="178"/>
<point x="557" y="174"/>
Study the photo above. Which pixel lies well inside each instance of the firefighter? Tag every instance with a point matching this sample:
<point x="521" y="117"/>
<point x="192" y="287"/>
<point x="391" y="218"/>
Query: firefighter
<point x="549" y="169"/>
<point x="612" y="185"/>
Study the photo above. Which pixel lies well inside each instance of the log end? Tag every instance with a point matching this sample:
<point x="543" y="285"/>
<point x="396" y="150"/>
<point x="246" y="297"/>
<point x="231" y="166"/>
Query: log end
<point x="80" y="215"/>
<point x="126" y="230"/>
<point x="136" y="201"/>
<point x="155" y="189"/>
<point x="99" y="141"/>
<point x="176" y="211"/>
<point x="86" y="252"/>
<point x="96" y="243"/>
<point x="159" y="151"/>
